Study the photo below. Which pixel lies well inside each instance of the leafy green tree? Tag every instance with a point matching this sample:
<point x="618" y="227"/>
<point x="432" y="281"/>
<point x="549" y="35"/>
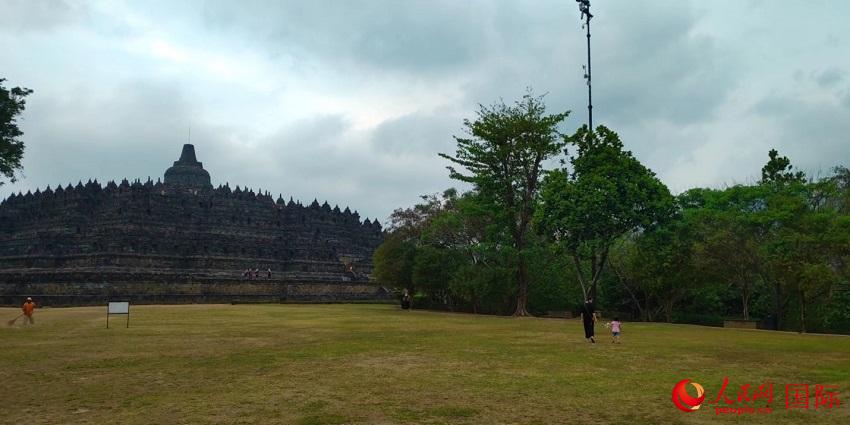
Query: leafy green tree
<point x="503" y="157"/>
<point x="656" y="268"/>
<point x="469" y="265"/>
<point x="808" y="243"/>
<point x="433" y="269"/>
<point x="607" y="194"/>
<point x="664" y="256"/>
<point x="779" y="170"/>
<point x="729" y="238"/>
<point x="12" y="104"/>
<point x="393" y="262"/>
<point x="411" y="222"/>
<point x="781" y="208"/>
<point x="486" y="288"/>
<point x="800" y="253"/>
<point x="553" y="289"/>
<point x="395" y="258"/>
<point x="633" y="290"/>
<point x="840" y="181"/>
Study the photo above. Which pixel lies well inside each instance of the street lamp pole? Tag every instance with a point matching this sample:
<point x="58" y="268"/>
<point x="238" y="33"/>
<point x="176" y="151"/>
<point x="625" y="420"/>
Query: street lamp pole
<point x="584" y="7"/>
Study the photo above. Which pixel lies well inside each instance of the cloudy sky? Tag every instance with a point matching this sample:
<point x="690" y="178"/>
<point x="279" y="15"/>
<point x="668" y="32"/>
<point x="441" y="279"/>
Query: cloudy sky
<point x="350" y="101"/>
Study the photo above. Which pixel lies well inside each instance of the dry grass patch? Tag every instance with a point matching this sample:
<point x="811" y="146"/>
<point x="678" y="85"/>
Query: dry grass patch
<point x="375" y="364"/>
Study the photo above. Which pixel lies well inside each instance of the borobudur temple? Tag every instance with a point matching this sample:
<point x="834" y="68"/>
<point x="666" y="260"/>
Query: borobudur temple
<point x="180" y="240"/>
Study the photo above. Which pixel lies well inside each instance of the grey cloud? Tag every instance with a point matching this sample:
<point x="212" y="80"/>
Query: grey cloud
<point x="83" y="133"/>
<point x="814" y="135"/>
<point x="419" y="133"/>
<point x="410" y="36"/>
<point x="135" y="130"/>
<point x="39" y="15"/>
<point x="659" y="80"/>
<point x="772" y="106"/>
<point x="832" y="40"/>
<point x="321" y="158"/>
<point x="650" y="64"/>
<point x="829" y="77"/>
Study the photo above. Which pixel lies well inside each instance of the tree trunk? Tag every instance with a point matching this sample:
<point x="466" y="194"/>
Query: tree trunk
<point x="522" y="290"/>
<point x="802" y="312"/>
<point x="598" y="267"/>
<point x="668" y="310"/>
<point x="622" y="280"/>
<point x="591" y="287"/>
<point x="778" y="306"/>
<point x="522" y="274"/>
<point x="652" y="314"/>
<point x="580" y="276"/>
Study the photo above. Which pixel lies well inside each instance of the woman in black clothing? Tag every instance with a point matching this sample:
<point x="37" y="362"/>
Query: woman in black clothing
<point x="405" y="300"/>
<point x="588" y="318"/>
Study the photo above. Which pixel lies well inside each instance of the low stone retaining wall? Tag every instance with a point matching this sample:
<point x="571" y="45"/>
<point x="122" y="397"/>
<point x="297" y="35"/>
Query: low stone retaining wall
<point x="742" y="324"/>
<point x="560" y="314"/>
<point x="85" y="293"/>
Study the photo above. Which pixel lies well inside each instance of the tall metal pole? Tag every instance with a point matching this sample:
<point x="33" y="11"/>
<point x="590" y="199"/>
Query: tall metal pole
<point x="584" y="7"/>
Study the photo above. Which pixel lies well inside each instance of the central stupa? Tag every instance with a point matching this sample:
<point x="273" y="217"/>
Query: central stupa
<point x="187" y="172"/>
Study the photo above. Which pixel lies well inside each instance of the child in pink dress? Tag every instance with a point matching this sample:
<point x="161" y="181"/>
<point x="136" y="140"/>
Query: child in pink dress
<point x="615" y="330"/>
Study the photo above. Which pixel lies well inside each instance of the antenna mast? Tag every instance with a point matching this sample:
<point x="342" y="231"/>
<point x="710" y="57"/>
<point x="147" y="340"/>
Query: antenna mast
<point x="584" y="7"/>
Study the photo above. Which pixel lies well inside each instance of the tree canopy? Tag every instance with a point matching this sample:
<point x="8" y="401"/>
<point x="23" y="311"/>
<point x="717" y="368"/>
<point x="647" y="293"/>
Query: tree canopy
<point x="503" y="159"/>
<point x="526" y="239"/>
<point x="12" y="104"/>
<point x="606" y="194"/>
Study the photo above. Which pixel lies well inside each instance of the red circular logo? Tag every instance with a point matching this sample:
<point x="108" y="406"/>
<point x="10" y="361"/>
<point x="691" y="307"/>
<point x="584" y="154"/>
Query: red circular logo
<point x="684" y="401"/>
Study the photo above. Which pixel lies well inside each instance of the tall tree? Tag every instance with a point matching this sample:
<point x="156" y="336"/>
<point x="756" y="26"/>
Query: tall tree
<point x="652" y="264"/>
<point x="779" y="170"/>
<point x="393" y="262"/>
<point x="607" y="194"/>
<point x="729" y="252"/>
<point x="12" y="104"/>
<point x="395" y="258"/>
<point x="783" y="206"/>
<point x="801" y="251"/>
<point x="504" y="156"/>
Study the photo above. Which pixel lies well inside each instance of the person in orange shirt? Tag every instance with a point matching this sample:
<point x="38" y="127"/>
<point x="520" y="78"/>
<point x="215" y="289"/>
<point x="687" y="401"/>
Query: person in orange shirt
<point x="28" y="308"/>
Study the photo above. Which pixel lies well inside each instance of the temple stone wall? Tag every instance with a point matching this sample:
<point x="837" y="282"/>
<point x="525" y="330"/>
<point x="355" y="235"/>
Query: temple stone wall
<point x="154" y="292"/>
<point x="178" y="231"/>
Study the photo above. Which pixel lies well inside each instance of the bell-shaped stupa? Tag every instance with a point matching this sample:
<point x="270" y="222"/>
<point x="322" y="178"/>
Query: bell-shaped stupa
<point x="187" y="172"/>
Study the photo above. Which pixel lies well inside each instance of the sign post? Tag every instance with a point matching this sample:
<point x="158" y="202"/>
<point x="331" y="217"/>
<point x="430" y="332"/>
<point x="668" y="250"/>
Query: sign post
<point x="118" y="308"/>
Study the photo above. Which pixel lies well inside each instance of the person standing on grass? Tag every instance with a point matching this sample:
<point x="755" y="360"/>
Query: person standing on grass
<point x="588" y="318"/>
<point x="405" y="300"/>
<point x="615" y="330"/>
<point x="28" y="308"/>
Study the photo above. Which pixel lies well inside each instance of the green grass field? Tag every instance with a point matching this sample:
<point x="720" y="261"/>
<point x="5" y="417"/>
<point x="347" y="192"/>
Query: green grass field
<point x="376" y="364"/>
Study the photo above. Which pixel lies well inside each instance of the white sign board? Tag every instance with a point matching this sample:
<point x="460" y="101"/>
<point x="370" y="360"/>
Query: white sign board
<point x="119" y="308"/>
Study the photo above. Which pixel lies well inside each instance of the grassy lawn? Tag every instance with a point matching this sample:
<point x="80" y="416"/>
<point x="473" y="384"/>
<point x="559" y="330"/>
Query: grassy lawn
<point x="375" y="364"/>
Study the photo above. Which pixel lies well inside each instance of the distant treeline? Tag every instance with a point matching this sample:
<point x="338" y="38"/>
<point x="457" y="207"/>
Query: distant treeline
<point x="605" y="227"/>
